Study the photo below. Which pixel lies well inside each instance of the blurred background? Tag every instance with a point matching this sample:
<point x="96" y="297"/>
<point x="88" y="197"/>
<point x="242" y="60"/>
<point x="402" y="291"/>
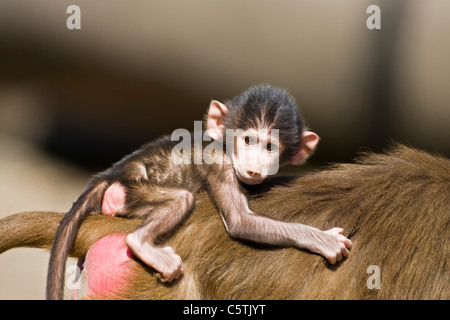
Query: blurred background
<point x="74" y="101"/>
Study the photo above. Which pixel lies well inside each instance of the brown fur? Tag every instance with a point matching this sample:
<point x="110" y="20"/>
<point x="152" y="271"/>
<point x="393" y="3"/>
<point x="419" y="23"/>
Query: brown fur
<point x="395" y="208"/>
<point x="149" y="183"/>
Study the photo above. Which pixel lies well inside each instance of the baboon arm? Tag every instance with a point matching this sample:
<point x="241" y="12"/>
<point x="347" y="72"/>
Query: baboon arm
<point x="37" y="229"/>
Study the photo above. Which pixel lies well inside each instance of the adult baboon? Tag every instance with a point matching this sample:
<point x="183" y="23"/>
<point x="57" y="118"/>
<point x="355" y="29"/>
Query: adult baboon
<point x="395" y="207"/>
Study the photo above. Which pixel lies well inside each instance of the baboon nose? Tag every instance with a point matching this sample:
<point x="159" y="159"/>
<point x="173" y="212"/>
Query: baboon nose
<point x="253" y="173"/>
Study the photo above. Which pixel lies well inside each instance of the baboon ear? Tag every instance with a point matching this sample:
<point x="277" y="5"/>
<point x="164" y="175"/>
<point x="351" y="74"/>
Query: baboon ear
<point x="215" y="121"/>
<point x="309" y="143"/>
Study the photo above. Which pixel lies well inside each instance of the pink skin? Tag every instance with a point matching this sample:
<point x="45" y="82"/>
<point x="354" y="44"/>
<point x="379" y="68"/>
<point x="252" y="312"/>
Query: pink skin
<point x="113" y="199"/>
<point x="106" y="265"/>
<point x="310" y="141"/>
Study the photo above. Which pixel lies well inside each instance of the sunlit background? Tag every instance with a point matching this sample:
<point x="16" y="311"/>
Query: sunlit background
<point x="74" y="101"/>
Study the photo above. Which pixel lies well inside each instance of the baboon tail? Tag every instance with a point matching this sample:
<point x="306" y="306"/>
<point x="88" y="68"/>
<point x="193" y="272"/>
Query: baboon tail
<point x="28" y="229"/>
<point x="36" y="229"/>
<point x="89" y="201"/>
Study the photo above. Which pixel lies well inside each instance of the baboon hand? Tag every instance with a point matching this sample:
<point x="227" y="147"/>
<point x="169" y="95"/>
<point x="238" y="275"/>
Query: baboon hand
<point x="170" y="266"/>
<point x="334" y="246"/>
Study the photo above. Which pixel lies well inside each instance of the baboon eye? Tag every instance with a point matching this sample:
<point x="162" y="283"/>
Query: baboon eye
<point x="249" y="140"/>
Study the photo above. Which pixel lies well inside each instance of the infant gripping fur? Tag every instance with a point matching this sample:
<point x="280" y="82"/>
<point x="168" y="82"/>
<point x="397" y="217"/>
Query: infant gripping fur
<point x="267" y="131"/>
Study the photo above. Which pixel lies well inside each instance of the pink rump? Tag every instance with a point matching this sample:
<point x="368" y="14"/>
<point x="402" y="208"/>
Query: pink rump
<point x="106" y="265"/>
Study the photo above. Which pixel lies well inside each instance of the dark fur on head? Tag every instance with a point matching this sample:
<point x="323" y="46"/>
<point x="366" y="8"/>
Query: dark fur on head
<point x="272" y="107"/>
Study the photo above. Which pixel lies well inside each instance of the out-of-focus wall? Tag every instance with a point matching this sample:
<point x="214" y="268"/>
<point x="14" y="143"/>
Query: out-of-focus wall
<point x="138" y="69"/>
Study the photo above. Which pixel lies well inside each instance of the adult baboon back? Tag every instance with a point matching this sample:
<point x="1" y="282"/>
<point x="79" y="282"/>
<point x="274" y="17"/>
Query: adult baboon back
<point x="395" y="207"/>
